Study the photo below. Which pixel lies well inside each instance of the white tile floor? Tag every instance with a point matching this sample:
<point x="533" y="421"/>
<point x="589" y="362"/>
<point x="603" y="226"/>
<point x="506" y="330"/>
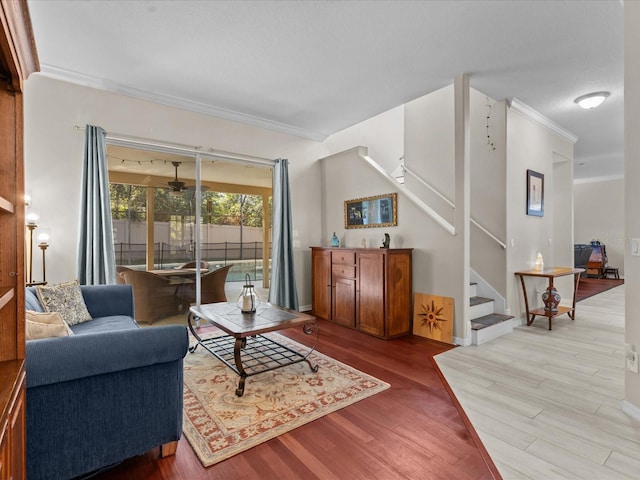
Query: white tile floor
<point x="547" y="404"/>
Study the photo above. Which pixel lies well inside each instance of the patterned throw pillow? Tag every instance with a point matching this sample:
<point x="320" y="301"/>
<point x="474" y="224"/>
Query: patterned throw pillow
<point x="66" y="299"/>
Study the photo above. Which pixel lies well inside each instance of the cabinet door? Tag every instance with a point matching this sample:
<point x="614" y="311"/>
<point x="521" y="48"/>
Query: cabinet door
<point x="17" y="445"/>
<point x="371" y="288"/>
<point x="321" y="283"/>
<point x="4" y="451"/>
<point x="344" y="301"/>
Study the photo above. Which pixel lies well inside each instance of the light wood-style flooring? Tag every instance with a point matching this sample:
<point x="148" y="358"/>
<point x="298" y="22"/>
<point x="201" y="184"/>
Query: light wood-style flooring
<point x="547" y="404"/>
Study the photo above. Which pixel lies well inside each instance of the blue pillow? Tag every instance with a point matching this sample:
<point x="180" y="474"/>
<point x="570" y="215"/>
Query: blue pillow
<point x="31" y="301"/>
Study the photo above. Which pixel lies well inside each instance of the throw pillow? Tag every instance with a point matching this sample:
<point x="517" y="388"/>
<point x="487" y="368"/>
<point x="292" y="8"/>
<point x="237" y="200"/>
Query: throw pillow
<point x="37" y="331"/>
<point x="45" y="325"/>
<point x="47" y="318"/>
<point x="66" y="299"/>
<point x="31" y="300"/>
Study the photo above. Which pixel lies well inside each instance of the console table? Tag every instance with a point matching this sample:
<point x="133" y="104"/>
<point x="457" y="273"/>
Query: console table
<point x="550" y="297"/>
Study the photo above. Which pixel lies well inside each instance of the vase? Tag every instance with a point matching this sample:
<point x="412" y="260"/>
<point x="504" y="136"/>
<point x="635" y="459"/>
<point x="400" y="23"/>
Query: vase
<point x="335" y="242"/>
<point x="551" y="299"/>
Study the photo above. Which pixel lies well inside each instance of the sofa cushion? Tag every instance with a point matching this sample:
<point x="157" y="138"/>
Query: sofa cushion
<point x="47" y="318"/>
<point x="66" y="299"/>
<point x="105" y="324"/>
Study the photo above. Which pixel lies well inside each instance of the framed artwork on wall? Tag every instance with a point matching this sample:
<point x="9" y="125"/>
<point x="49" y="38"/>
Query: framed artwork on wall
<point x="368" y="212"/>
<point x="535" y="193"/>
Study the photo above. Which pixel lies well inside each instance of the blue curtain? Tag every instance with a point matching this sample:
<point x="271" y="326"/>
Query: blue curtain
<point x="96" y="256"/>
<point x="282" y="285"/>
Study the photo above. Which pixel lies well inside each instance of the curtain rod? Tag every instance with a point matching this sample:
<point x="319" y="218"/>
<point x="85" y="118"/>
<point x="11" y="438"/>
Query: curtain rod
<point x="176" y="148"/>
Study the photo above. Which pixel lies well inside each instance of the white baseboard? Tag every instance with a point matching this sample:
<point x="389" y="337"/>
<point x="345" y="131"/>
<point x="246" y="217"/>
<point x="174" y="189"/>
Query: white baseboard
<point x="631" y="410"/>
<point x="463" y="342"/>
<point x="304" y="308"/>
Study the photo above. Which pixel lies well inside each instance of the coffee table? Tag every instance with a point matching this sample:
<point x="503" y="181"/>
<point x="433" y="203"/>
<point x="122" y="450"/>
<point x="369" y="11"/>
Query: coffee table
<point x="245" y="349"/>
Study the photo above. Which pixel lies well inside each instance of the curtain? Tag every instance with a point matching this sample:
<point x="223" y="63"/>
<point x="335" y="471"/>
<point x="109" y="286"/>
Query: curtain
<point x="96" y="256"/>
<point x="282" y="285"/>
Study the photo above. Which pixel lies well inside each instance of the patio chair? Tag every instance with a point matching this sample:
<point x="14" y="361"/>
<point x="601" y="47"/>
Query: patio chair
<point x="203" y="265"/>
<point x="154" y="297"/>
<point x="211" y="287"/>
<point x="119" y="270"/>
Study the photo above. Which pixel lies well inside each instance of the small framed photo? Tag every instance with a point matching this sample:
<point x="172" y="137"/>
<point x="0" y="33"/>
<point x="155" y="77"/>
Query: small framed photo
<point x="535" y="193"/>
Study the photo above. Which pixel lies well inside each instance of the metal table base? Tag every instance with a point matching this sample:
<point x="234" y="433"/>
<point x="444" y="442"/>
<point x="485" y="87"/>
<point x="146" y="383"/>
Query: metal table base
<point x="251" y="355"/>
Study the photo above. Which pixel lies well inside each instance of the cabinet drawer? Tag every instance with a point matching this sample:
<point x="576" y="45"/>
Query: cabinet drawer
<point x="343" y="258"/>
<point x="343" y="271"/>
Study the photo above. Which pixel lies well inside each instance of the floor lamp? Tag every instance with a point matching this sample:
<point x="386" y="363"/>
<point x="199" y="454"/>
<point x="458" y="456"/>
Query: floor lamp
<point x="31" y="227"/>
<point x="43" y="243"/>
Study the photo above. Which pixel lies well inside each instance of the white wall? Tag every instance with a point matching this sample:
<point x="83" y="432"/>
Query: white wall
<point x="488" y="190"/>
<point x="563" y="217"/>
<point x="599" y="215"/>
<point x="54" y="152"/>
<point x="531" y="145"/>
<point x="632" y="192"/>
<point x="430" y="148"/>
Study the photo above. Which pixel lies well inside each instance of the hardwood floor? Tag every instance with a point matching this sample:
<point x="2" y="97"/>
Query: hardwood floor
<point x="588" y="287"/>
<point x="410" y="431"/>
<point x="547" y="404"/>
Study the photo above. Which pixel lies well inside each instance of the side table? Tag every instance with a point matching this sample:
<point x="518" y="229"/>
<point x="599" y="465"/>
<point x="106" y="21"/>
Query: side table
<point x="550" y="297"/>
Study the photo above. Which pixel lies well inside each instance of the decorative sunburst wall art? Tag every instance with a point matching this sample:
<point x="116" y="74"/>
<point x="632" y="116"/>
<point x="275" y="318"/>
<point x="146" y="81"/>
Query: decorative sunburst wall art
<point x="433" y="317"/>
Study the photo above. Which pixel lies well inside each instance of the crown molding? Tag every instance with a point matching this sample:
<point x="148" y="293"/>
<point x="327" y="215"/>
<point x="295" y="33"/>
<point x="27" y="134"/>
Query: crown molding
<point x="606" y="178"/>
<point x="537" y="117"/>
<point x="107" y="85"/>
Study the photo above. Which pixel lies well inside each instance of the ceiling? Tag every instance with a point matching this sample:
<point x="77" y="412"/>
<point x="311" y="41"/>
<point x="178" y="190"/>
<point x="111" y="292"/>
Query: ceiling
<point x="312" y="68"/>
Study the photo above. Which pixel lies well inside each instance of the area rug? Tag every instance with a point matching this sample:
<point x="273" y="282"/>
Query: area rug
<point x="218" y="424"/>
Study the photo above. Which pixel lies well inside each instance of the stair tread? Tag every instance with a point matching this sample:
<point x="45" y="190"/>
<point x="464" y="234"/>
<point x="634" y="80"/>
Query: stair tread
<point x="479" y="300"/>
<point x="488" y="320"/>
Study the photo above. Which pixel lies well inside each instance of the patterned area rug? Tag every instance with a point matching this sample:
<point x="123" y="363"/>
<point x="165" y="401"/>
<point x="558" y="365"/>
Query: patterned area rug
<point x="218" y="424"/>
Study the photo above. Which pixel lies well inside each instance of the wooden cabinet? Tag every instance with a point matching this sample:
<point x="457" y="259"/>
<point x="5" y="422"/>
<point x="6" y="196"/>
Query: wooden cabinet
<point x="321" y="282"/>
<point x="343" y="288"/>
<point x="369" y="289"/>
<point x="371" y="298"/>
<point x="12" y="420"/>
<point x="17" y="60"/>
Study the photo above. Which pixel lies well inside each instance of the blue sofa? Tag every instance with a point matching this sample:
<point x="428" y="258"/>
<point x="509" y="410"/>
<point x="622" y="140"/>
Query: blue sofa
<point x="107" y="393"/>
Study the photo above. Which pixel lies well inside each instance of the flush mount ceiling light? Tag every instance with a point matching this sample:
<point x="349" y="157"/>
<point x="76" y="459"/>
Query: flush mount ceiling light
<point x="591" y="100"/>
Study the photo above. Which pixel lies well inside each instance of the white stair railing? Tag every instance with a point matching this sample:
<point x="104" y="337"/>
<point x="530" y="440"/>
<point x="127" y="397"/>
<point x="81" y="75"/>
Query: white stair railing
<point x="422" y="205"/>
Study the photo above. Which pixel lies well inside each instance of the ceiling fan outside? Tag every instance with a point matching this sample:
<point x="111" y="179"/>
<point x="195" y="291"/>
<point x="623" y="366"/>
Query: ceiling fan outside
<point x="178" y="186"/>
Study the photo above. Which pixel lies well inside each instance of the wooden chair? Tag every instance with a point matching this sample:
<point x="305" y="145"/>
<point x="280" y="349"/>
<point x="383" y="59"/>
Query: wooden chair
<point x="154" y="297"/>
<point x="211" y="287"/>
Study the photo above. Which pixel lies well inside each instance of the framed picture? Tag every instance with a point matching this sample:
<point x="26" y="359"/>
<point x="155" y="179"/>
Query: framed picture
<point x="433" y="317"/>
<point x="535" y="193"/>
<point x="369" y="212"/>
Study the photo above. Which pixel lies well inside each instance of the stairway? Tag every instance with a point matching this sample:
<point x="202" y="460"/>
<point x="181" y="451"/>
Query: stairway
<point x="485" y="323"/>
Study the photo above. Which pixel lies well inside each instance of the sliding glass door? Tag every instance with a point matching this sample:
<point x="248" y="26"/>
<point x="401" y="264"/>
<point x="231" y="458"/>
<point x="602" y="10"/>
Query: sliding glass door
<point x="162" y="225"/>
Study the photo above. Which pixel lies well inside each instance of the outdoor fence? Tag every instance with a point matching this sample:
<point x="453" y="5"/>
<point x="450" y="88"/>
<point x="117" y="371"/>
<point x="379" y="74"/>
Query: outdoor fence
<point x="246" y="255"/>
